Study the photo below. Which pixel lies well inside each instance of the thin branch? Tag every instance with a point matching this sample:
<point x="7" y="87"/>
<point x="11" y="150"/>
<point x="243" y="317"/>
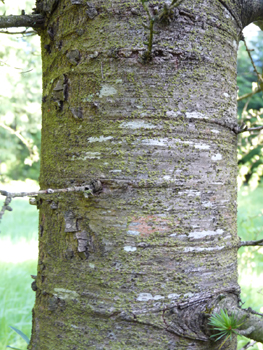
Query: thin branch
<point x="256" y="128"/>
<point x="247" y="331"/>
<point x="48" y="191"/>
<point x="166" y="12"/>
<point x="94" y="186"/>
<point x="250" y="94"/>
<point x="23" y="32"/>
<point x="254" y="312"/>
<point x="251" y="243"/>
<point x="6" y="206"/>
<point x="34" y="21"/>
<point x="248" y="345"/>
<point x="252" y="61"/>
<point x="245" y="107"/>
<point x="17" y="134"/>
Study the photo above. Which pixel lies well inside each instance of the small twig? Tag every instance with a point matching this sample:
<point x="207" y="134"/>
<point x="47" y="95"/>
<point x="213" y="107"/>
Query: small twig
<point x="251" y="243"/>
<point x="21" y="138"/>
<point x="48" y="191"/>
<point x="94" y="186"/>
<point x="247" y="331"/>
<point x="250" y="94"/>
<point x="254" y="312"/>
<point x="245" y="107"/>
<point x="256" y="128"/>
<point x="23" y="32"/>
<point x="165" y="11"/>
<point x="252" y="61"/>
<point x="248" y="345"/>
<point x="34" y="21"/>
<point x="6" y="206"/>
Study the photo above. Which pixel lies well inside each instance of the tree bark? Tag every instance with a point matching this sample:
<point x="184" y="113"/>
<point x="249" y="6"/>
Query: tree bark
<point x="140" y="263"/>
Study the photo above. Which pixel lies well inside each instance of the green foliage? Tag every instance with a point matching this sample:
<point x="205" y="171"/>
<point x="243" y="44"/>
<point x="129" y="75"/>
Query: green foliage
<point x="249" y="112"/>
<point x="224" y="324"/>
<point x="22" y="335"/>
<point x="20" y="99"/>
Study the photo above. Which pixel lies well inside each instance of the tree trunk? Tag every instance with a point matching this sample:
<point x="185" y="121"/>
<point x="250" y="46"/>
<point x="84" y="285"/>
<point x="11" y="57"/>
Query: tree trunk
<point x="138" y="264"/>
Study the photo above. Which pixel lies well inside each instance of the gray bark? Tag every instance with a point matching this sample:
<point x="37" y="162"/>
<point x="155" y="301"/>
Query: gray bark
<point x="137" y="265"/>
<point x="34" y="21"/>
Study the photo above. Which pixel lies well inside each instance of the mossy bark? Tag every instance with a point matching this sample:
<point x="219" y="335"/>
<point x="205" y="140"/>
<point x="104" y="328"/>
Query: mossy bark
<point x="137" y="265"/>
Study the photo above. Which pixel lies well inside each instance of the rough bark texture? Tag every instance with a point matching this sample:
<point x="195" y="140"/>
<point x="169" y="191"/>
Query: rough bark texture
<point x="139" y="264"/>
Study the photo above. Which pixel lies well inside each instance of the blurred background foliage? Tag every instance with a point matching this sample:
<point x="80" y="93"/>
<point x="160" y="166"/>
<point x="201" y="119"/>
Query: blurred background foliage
<point x="20" y="99"/>
<point x="20" y="134"/>
<point x="250" y="112"/>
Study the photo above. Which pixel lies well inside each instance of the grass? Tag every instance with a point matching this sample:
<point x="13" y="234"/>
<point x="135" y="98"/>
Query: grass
<point x="18" y="242"/>
<point x="250" y="223"/>
<point x="17" y="300"/>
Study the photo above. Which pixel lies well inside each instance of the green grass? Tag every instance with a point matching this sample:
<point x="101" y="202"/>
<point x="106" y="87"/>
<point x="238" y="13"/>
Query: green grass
<point x="19" y="229"/>
<point x="18" y="236"/>
<point x="21" y="223"/>
<point x="17" y="300"/>
<point x="250" y="227"/>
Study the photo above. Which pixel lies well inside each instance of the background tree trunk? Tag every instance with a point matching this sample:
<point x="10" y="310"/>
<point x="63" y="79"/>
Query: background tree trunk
<point x="138" y="264"/>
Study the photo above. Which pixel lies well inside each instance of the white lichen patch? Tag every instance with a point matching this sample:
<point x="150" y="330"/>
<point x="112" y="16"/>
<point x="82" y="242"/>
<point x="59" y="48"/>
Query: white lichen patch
<point x="115" y="171"/>
<point x="158" y="297"/>
<point x="173" y="296"/>
<point x="92" y="266"/>
<point x="225" y="94"/>
<point x="99" y="139"/>
<point x="65" y="293"/>
<point x="215" y="131"/>
<point x="189" y="295"/>
<point x="137" y="124"/>
<point x="148" y="296"/>
<point x="195" y="115"/>
<point x="107" y="90"/>
<point x="202" y="234"/>
<point x="87" y="155"/>
<point x="172" y="114"/>
<point x="167" y="177"/>
<point x="217" y="156"/>
<point x="201" y="146"/>
<point x="197" y="249"/>
<point x="207" y="204"/>
<point x="155" y="142"/>
<point x="144" y="297"/>
<point x="133" y="233"/>
<point x="128" y="248"/>
<point x="190" y="193"/>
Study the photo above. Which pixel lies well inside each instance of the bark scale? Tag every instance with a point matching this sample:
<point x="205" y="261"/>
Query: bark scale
<point x="139" y="264"/>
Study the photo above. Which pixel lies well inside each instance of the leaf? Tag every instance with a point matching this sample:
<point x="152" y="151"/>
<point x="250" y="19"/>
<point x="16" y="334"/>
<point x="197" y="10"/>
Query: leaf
<point x="144" y="1"/>
<point x="10" y="347"/>
<point x="26" y="339"/>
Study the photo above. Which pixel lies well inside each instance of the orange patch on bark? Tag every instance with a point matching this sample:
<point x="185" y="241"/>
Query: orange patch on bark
<point x="149" y="224"/>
